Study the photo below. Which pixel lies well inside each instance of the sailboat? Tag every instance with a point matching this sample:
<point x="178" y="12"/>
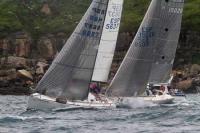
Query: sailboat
<point x="155" y="30"/>
<point x="66" y="82"/>
<point x="161" y="71"/>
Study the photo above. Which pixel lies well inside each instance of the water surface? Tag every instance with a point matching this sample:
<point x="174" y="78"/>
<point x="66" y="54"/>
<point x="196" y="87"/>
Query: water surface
<point x="181" y="117"/>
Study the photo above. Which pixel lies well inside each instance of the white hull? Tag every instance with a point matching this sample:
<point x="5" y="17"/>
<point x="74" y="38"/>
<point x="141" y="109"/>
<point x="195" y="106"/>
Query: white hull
<point x="42" y="102"/>
<point x="133" y="101"/>
<point x="162" y="99"/>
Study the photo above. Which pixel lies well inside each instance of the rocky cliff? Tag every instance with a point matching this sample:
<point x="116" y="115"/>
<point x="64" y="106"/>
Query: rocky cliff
<point x="17" y="53"/>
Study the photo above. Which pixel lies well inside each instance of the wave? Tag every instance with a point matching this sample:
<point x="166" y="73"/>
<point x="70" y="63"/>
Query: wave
<point x="136" y="102"/>
<point x="14" y="119"/>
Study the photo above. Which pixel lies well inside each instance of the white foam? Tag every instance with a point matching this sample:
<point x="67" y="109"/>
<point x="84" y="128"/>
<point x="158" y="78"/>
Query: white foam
<point x="136" y="102"/>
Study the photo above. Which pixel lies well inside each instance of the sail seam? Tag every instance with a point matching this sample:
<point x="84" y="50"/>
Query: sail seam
<point x="71" y="66"/>
<point x="78" y="33"/>
<point x="99" y="2"/>
<point x="108" y="40"/>
<point x="130" y="58"/>
<point x="106" y="52"/>
<point x="167" y="40"/>
<point x="101" y="68"/>
<point x="182" y="2"/>
<point x="87" y="54"/>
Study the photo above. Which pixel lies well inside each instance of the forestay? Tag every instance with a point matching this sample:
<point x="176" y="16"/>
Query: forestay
<point x="71" y="71"/>
<point x="167" y="40"/>
<point x="108" y="41"/>
<point x="132" y="76"/>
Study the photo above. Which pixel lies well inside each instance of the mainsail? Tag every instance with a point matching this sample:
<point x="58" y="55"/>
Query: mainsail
<point x="71" y="71"/>
<point x="166" y="41"/>
<point x="108" y="41"/>
<point x="132" y="77"/>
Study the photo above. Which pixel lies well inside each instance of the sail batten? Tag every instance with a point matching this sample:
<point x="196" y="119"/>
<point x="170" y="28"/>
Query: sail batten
<point x="71" y="71"/>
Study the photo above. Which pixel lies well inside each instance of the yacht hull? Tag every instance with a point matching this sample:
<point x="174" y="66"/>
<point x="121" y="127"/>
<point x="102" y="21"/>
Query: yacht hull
<point x="42" y="102"/>
<point x="162" y="99"/>
<point x="130" y="101"/>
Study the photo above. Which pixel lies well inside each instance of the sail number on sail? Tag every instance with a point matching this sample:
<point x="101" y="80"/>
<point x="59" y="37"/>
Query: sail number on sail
<point x="176" y="10"/>
<point x="115" y="15"/>
<point x="91" y="29"/>
<point x="143" y="37"/>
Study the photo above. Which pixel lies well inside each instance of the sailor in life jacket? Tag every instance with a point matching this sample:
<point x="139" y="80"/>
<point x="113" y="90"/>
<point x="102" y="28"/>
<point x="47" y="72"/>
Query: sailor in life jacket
<point x="162" y="88"/>
<point x="95" y="90"/>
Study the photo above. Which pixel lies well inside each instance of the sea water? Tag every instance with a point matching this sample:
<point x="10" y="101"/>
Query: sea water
<point x="181" y="117"/>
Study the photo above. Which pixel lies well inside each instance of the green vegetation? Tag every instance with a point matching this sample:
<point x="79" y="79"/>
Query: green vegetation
<point x="196" y="58"/>
<point x="191" y="16"/>
<point x="18" y="15"/>
<point x="26" y="15"/>
<point x="133" y="14"/>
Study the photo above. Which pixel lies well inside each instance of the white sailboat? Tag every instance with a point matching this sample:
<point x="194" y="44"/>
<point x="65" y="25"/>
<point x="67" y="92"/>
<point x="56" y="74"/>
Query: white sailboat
<point x="155" y="30"/>
<point x="66" y="83"/>
<point x="161" y="70"/>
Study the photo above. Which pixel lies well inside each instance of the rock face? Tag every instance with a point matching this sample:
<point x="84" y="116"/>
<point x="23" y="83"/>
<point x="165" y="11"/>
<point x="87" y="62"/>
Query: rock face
<point x="195" y="69"/>
<point x="4" y="47"/>
<point x="7" y="75"/>
<point x="15" y="53"/>
<point x="41" y="67"/>
<point x="14" y="61"/>
<point x="16" y="50"/>
<point x="188" y="79"/>
<point x="184" y="85"/>
<point x="16" y="45"/>
<point x="22" y="44"/>
<point x="10" y="83"/>
<point x="188" y="51"/>
<point x="47" y="47"/>
<point x="46" y="9"/>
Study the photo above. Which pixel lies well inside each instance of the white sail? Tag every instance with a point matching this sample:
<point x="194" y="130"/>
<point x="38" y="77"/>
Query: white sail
<point x="108" y="41"/>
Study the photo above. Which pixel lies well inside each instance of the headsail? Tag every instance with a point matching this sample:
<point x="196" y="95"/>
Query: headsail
<point x="167" y="40"/>
<point x="108" y="41"/>
<point x="71" y="71"/>
<point x="133" y="74"/>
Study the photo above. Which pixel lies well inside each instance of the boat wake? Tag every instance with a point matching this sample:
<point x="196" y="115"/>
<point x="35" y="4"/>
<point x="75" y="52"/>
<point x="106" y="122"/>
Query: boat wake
<point x="14" y="119"/>
<point x="72" y="109"/>
<point x="182" y="102"/>
<point x="133" y="103"/>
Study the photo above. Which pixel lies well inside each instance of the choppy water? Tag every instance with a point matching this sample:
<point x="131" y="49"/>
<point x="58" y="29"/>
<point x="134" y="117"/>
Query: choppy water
<point x="181" y="117"/>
